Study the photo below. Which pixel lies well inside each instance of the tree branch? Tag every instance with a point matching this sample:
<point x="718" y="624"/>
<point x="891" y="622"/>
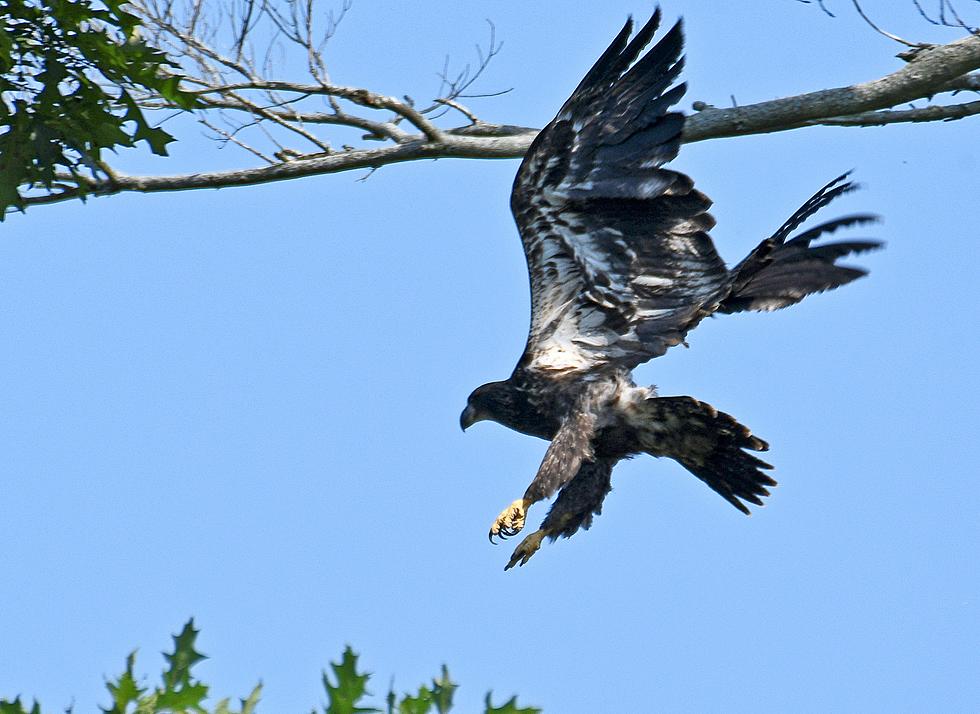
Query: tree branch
<point x="356" y="95"/>
<point x="451" y="146"/>
<point x="924" y="114"/>
<point x="924" y="76"/>
<point x="932" y="71"/>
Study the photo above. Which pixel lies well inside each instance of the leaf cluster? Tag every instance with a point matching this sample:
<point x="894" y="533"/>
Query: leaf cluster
<point x="180" y="692"/>
<point x="68" y="71"/>
<point x="346" y="694"/>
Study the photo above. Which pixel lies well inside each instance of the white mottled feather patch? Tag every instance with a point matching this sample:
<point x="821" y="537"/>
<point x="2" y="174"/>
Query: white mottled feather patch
<point x="653" y="281"/>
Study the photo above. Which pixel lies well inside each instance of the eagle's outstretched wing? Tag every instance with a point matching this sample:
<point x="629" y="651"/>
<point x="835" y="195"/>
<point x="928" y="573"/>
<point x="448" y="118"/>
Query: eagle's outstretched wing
<point x="617" y="249"/>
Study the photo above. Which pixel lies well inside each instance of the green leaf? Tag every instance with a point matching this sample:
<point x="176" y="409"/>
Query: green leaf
<point x="180" y="691"/>
<point x="157" y="138"/>
<point x="508" y="707"/>
<point x="154" y="136"/>
<point x="124" y="690"/>
<point x="443" y="690"/>
<point x="420" y="704"/>
<point x="351" y="686"/>
<point x="183" y="658"/>
<point x="15" y="164"/>
<point x="6" y="49"/>
<point x="169" y="89"/>
<point x="249" y="704"/>
<point x="186" y="697"/>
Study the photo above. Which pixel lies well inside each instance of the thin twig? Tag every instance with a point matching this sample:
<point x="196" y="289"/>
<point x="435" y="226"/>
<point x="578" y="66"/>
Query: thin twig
<point x="235" y="140"/>
<point x="877" y="29"/>
<point x="376" y="128"/>
<point x="276" y="119"/>
<point x="959" y="21"/>
<point x="820" y="4"/>
<point x="474" y="119"/>
<point x="357" y="95"/>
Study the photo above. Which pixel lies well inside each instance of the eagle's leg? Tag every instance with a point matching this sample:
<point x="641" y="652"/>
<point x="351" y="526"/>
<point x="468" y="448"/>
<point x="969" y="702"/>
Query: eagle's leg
<point x="573" y="509"/>
<point x="571" y="446"/>
<point x="527" y="547"/>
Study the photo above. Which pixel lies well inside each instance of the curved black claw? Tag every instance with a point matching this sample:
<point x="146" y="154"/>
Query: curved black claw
<point x="510" y="522"/>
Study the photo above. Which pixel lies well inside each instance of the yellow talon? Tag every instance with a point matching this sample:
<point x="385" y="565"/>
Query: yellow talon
<point x="528" y="547"/>
<point x="511" y="519"/>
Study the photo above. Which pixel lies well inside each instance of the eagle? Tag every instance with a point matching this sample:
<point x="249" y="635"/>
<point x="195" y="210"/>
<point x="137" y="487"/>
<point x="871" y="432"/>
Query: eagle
<point x="621" y="269"/>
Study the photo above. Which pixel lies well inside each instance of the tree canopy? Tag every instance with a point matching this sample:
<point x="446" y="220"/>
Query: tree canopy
<point x="68" y="69"/>
<point x="181" y="692"/>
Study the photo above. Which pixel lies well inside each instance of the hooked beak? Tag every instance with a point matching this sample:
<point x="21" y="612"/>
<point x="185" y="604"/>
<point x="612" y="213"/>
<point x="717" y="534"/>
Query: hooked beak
<point x="469" y="417"/>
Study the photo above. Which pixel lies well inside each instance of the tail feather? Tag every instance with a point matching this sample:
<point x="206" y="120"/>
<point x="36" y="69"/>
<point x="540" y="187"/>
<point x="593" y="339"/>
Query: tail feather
<point x="786" y="283"/>
<point x="833" y="251"/>
<point x="858" y="219"/>
<point x="834" y="189"/>
<point x="710" y="444"/>
<point x="781" y="272"/>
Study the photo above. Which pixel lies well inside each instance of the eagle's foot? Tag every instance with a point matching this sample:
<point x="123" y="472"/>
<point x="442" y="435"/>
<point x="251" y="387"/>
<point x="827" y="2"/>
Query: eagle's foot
<point x="528" y="547"/>
<point x="511" y="520"/>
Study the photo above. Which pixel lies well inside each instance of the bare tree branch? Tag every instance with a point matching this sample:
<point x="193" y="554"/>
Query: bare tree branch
<point x="922" y="77"/>
<point x="232" y="88"/>
<point x="461" y="109"/>
<point x="924" y="114"/>
<point x="356" y="95"/>
<point x="464" y="147"/>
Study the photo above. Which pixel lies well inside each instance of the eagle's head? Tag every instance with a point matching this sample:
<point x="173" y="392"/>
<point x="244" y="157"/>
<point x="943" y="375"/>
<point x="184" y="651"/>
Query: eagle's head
<point x="492" y="401"/>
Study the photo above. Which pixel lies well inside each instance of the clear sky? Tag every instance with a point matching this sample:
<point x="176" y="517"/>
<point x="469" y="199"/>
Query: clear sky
<point x="243" y="406"/>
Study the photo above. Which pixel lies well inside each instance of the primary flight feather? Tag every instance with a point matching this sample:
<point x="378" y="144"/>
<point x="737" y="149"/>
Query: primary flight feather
<point x="621" y="268"/>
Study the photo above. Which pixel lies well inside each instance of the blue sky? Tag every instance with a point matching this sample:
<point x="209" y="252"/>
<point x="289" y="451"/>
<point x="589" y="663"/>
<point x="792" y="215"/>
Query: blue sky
<point x="243" y="406"/>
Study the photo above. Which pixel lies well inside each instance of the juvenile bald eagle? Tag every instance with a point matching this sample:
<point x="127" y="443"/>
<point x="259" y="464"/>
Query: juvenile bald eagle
<point x="621" y="268"/>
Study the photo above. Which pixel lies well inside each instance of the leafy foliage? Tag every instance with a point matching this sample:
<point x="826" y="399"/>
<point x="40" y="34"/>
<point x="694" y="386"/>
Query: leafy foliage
<point x="16" y="707"/>
<point x="68" y="71"/>
<point x="439" y="695"/>
<point x="181" y="693"/>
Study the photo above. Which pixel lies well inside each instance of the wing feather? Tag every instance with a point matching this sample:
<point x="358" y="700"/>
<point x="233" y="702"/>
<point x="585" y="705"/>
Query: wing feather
<point x="620" y="261"/>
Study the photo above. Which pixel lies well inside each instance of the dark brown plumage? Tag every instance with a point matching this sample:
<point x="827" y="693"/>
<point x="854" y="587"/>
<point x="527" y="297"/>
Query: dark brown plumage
<point x="621" y="268"/>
